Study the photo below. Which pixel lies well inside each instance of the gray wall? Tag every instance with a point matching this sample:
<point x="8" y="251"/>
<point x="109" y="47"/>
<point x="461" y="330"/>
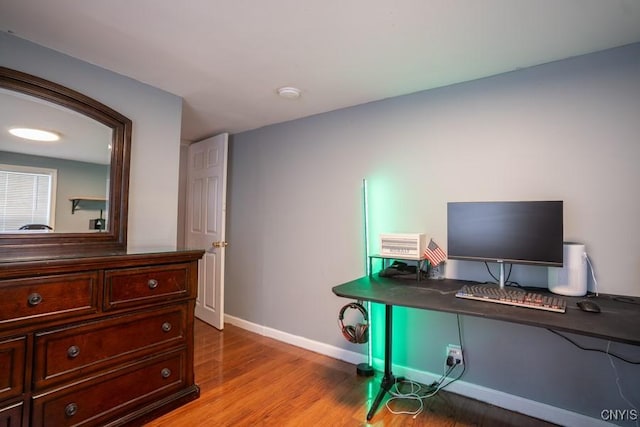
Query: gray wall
<point x="73" y="179"/>
<point x="155" y="144"/>
<point x="566" y="130"/>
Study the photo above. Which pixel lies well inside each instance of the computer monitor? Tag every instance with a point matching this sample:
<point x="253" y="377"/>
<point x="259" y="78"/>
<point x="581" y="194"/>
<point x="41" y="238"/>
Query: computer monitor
<point x="517" y="232"/>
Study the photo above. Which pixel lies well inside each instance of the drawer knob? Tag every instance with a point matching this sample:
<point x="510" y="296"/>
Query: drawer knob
<point x="166" y="327"/>
<point x="166" y="373"/>
<point x="34" y="299"/>
<point x="71" y="409"/>
<point x="152" y="283"/>
<point x="73" y="351"/>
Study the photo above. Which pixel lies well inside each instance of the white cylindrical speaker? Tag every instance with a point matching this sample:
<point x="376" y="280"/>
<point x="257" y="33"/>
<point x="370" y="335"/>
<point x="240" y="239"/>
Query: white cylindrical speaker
<point x="571" y="279"/>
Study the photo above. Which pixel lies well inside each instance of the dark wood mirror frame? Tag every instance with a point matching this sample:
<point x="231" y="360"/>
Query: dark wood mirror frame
<point x="115" y="238"/>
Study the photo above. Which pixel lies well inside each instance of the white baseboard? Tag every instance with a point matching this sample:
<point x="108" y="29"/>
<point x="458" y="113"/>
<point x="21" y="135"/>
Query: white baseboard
<point x="498" y="398"/>
<point x="315" y="346"/>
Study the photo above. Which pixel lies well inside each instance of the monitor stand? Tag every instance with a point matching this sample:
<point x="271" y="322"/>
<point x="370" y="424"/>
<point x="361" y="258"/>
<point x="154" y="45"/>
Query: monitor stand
<point x="501" y="265"/>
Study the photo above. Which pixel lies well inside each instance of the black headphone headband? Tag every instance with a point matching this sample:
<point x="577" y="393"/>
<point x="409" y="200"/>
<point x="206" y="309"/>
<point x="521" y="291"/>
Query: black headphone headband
<point x="355" y="306"/>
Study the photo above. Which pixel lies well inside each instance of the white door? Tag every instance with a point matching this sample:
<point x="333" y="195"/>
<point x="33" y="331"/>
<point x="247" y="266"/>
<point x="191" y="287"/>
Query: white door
<point x="206" y="207"/>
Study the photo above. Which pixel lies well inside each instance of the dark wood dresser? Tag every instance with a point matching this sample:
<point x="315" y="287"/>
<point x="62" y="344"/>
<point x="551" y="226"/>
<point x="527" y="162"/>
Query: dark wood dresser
<point x="102" y="339"/>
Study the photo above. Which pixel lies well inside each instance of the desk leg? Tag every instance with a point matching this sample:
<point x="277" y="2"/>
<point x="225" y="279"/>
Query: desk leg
<point x="388" y="380"/>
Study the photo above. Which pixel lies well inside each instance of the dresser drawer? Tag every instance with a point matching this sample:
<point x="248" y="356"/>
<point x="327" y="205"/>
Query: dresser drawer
<point x="127" y="287"/>
<point x="67" y="353"/>
<point x="12" y="354"/>
<point x="11" y="416"/>
<point x="47" y="297"/>
<point x="95" y="402"/>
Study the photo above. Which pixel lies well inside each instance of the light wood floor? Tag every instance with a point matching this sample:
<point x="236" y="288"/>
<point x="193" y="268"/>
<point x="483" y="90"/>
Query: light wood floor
<point x="249" y="380"/>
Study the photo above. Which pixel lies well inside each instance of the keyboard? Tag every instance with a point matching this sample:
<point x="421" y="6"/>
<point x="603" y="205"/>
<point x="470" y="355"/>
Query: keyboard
<point x="516" y="297"/>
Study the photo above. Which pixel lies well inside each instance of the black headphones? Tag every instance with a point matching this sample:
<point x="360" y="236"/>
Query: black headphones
<point x="358" y="333"/>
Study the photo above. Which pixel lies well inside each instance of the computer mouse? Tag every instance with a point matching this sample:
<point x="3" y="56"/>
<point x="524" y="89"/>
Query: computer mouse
<point x="588" y="306"/>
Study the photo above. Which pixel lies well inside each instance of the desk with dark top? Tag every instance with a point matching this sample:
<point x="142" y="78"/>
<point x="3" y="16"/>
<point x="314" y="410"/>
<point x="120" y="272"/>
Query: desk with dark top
<point x="619" y="319"/>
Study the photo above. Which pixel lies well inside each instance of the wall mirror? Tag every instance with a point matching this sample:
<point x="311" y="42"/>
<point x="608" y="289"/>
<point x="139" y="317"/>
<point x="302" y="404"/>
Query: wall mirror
<point x="64" y="196"/>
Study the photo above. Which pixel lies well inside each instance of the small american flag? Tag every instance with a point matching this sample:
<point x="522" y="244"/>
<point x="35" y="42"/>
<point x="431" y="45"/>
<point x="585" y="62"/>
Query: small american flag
<point x="434" y="253"/>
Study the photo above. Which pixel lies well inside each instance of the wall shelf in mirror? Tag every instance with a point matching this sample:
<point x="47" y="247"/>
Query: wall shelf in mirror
<point x="76" y="201"/>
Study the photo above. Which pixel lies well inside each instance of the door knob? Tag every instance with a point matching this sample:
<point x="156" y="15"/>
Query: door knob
<point x="222" y="244"/>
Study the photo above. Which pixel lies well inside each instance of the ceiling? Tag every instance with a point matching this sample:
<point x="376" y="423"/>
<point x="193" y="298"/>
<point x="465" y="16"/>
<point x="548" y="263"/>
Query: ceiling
<point x="226" y="58"/>
<point x="82" y="138"/>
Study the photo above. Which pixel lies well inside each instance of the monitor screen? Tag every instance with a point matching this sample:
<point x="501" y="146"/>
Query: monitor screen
<point x="528" y="232"/>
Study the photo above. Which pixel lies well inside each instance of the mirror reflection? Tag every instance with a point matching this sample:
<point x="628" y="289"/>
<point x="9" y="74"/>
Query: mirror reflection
<point x="59" y="186"/>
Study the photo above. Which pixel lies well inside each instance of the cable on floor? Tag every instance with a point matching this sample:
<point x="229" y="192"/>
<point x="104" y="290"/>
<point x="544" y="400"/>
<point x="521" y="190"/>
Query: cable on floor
<point x="432" y="389"/>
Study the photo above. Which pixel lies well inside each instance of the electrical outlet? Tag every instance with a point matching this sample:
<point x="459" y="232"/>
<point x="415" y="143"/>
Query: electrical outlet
<point x="454" y="355"/>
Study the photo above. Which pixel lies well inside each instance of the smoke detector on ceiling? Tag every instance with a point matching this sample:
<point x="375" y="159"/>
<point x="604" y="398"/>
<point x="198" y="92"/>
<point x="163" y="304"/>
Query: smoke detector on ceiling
<point x="289" y="92"/>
